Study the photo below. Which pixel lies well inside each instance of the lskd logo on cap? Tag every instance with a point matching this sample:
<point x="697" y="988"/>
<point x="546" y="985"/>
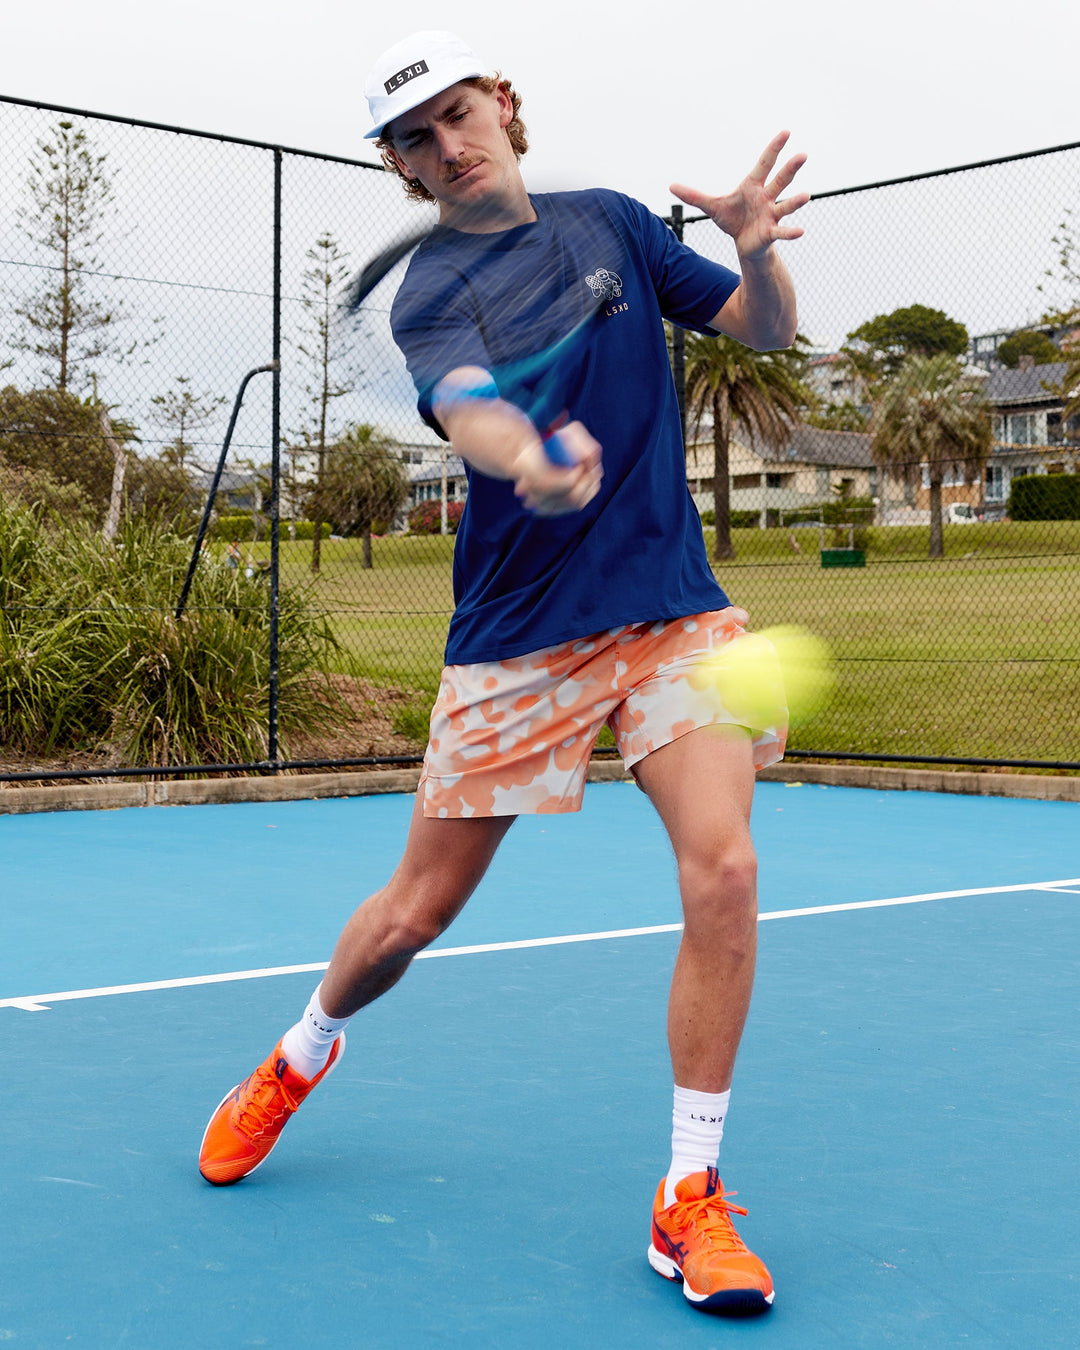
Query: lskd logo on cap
<point x="404" y="76"/>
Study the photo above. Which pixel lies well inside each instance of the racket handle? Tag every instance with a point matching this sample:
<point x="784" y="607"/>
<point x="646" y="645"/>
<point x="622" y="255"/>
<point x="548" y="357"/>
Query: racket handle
<point x="556" y="452"/>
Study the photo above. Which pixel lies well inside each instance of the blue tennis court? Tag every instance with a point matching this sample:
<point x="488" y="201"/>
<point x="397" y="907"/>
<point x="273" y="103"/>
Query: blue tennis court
<point x="480" y="1169"/>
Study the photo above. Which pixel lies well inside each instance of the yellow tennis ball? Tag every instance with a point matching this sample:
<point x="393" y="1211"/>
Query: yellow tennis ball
<point x="780" y="674"/>
<point x="807" y="670"/>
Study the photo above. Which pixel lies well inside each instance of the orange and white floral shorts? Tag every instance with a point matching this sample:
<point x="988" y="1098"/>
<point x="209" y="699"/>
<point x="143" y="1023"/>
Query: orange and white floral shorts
<point x="514" y="737"/>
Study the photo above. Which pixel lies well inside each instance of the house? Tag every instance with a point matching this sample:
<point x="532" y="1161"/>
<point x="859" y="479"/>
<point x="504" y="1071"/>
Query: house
<point x="811" y="468"/>
<point x="435" y="472"/>
<point x="1031" y="433"/>
<point x="835" y="380"/>
<point x="239" y="489"/>
<point x="983" y="348"/>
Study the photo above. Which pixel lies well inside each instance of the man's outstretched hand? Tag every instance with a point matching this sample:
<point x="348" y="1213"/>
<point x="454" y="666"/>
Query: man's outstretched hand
<point x="754" y="213"/>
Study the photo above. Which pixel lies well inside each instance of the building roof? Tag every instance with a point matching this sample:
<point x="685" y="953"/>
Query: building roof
<point x="837" y="449"/>
<point x="1025" y="386"/>
<point x="431" y="470"/>
<point x="232" y="480"/>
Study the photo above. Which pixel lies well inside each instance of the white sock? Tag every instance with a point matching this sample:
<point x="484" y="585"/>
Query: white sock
<point x="307" y="1044"/>
<point x="697" y="1126"/>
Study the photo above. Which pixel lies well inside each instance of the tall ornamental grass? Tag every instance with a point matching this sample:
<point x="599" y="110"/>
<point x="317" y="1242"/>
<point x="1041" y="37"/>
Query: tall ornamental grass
<point x="92" y="661"/>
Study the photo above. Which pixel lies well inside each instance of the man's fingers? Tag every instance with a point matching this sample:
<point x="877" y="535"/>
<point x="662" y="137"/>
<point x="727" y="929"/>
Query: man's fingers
<point x="691" y="196"/>
<point x="761" y="170"/>
<point x="785" y="176"/>
<point x="791" y="204"/>
<point x="551" y="489"/>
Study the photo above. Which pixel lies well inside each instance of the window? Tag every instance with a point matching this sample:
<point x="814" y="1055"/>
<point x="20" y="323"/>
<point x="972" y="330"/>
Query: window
<point x="777" y="480"/>
<point x="952" y="477"/>
<point x="748" y="480"/>
<point x="1021" y="428"/>
<point x="995" y="483"/>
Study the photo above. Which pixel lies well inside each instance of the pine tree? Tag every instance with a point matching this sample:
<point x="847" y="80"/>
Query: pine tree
<point x="72" y="197"/>
<point x="323" y="282"/>
<point x="183" y="412"/>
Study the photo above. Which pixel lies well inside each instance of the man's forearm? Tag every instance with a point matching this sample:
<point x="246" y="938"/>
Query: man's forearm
<point x="489" y="434"/>
<point x="500" y="440"/>
<point x="762" y="312"/>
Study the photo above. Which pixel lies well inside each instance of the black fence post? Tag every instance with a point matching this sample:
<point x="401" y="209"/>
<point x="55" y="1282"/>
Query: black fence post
<point x="678" y="337"/>
<point x="275" y="474"/>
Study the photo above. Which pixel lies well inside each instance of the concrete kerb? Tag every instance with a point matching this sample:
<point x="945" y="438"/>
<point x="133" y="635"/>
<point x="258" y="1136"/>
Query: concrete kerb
<point x="299" y="787"/>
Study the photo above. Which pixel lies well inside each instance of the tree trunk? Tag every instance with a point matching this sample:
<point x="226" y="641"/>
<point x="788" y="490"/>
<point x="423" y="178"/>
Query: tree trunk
<point x="316" y="542"/>
<point x="367" y="548"/>
<point x="937" y="538"/>
<point x="116" y="497"/>
<point x="723" y="548"/>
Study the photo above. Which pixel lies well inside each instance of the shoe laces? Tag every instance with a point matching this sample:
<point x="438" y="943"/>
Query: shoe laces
<point x="711" y="1216"/>
<point x="264" y="1102"/>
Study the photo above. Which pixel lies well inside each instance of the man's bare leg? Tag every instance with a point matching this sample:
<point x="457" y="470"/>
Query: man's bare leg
<point x="443" y="863"/>
<point x="702" y="785"/>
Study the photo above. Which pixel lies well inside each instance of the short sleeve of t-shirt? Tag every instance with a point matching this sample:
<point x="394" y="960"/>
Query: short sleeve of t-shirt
<point x="691" y="290"/>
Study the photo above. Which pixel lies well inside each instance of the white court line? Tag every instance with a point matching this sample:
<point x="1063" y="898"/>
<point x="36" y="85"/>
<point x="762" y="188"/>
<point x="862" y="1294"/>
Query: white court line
<point x="40" y="1002"/>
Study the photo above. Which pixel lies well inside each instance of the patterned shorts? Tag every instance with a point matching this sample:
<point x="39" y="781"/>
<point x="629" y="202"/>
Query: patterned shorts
<point x="514" y="737"/>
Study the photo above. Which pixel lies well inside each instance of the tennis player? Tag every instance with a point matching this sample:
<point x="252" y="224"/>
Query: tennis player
<point x="583" y="597"/>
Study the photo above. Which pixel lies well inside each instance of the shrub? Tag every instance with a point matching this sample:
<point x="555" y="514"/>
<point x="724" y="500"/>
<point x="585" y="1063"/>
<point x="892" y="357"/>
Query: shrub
<point x="92" y="659"/>
<point x="1050" y="496"/>
<point x="231" y="527"/>
<point x="427" y="517"/>
<point x="304" y="529"/>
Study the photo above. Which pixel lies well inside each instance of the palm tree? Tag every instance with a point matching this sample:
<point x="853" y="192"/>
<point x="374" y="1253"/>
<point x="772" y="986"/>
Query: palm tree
<point x="733" y="384"/>
<point x="931" y="417"/>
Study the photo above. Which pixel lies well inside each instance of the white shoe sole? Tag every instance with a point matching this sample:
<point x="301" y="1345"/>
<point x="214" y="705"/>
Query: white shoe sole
<point x="728" y="1300"/>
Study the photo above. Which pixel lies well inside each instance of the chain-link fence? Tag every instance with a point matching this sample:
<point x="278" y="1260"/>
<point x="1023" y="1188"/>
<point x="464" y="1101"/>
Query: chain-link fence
<point x="145" y="271"/>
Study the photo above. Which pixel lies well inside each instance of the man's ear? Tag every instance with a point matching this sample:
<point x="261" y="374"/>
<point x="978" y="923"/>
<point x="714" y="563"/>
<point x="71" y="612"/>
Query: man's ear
<point x="402" y="166"/>
<point x="506" y="107"/>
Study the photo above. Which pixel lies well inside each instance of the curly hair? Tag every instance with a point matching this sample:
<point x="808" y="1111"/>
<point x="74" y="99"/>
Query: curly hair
<point x="515" y="132"/>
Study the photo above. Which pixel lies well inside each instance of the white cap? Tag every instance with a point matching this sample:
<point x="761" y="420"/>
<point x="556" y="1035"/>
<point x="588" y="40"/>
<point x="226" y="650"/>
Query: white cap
<point x="414" y="70"/>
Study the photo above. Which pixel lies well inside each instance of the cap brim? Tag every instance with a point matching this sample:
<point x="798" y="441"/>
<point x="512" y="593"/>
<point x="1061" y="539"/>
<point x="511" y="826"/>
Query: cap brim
<point x="422" y="97"/>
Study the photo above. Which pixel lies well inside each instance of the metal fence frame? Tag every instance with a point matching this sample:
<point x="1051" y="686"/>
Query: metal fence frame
<point x="273" y="764"/>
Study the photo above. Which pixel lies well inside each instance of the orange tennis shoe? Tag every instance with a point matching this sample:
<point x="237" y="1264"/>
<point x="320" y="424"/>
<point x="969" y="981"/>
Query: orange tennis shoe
<point x="248" y="1122"/>
<point x="695" y="1241"/>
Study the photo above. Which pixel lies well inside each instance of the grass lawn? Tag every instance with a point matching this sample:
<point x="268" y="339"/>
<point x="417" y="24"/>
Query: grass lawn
<point x="976" y="654"/>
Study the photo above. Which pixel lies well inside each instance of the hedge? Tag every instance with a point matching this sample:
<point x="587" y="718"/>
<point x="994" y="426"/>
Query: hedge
<point x="740" y="520"/>
<point x="241" y="527"/>
<point x="1050" y="496"/>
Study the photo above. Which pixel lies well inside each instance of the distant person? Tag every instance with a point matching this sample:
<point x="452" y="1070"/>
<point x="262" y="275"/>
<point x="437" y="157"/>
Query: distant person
<point x="583" y="596"/>
<point x="232" y="553"/>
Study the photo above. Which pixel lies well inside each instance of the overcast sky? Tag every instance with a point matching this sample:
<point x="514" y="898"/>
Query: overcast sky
<point x="616" y="95"/>
<point x="625" y="95"/>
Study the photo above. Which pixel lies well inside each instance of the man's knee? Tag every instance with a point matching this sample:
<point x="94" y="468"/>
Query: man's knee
<point x="718" y="884"/>
<point x="413" y="922"/>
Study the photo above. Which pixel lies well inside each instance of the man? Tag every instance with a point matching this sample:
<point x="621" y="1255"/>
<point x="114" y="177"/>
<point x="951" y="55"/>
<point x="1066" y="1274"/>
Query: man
<point x="583" y="595"/>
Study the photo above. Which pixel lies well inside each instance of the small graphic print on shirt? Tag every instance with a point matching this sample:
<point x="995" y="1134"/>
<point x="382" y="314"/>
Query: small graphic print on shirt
<point x="605" y="285"/>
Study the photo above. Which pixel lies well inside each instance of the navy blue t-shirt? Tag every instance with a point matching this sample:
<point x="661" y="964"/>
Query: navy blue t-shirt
<point x="636" y="552"/>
